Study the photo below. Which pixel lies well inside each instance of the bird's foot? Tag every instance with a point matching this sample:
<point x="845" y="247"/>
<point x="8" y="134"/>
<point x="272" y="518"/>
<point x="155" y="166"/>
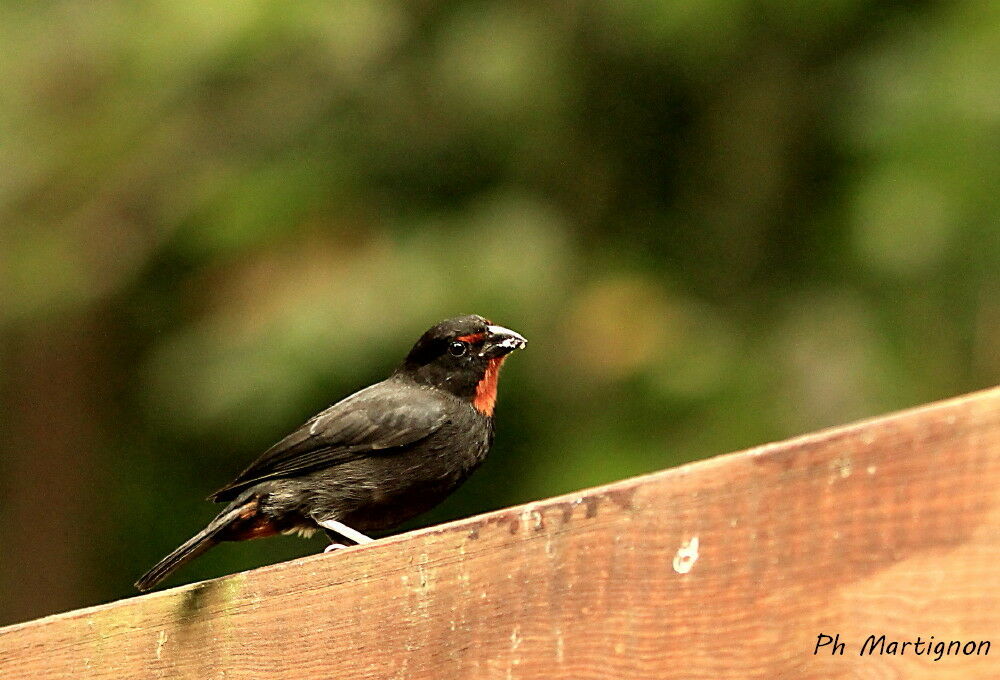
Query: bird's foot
<point x="333" y="546"/>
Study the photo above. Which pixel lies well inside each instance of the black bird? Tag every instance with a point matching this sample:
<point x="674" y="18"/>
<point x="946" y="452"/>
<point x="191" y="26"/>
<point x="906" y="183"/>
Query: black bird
<point x="377" y="458"/>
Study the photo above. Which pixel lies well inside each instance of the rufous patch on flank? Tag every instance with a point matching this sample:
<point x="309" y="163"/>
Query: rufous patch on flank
<point x="249" y="510"/>
<point x="258" y="527"/>
<point x="250" y="524"/>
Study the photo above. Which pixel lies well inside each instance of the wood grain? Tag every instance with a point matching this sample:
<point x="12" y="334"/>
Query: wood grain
<point x="890" y="526"/>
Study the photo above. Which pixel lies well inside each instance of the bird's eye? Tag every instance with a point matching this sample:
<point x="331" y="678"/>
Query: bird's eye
<point x="457" y="349"/>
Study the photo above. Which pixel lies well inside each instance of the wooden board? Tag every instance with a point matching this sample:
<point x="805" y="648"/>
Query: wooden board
<point x="728" y="568"/>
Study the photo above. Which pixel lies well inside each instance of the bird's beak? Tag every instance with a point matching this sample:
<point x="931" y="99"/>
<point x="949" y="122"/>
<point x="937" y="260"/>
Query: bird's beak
<point x="501" y="341"/>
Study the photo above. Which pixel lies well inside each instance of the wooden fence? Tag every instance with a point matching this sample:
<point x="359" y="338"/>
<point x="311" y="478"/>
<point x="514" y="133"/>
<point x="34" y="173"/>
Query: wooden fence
<point x="728" y="568"/>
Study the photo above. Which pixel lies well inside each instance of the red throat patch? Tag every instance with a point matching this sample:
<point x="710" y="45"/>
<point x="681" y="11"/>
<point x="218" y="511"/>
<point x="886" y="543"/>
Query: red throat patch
<point x="486" y="390"/>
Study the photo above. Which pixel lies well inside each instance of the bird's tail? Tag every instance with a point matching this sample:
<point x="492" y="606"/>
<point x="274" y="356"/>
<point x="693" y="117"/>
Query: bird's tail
<point x="208" y="537"/>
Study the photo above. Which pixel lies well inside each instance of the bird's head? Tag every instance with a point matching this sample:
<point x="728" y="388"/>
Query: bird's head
<point x="463" y="356"/>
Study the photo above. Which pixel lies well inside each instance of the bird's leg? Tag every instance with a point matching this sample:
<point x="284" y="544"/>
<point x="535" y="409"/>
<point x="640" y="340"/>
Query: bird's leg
<point x="332" y="525"/>
<point x="334" y="541"/>
<point x="334" y="545"/>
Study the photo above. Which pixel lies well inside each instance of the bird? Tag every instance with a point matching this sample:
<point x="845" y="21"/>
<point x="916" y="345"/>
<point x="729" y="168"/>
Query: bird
<point x="374" y="459"/>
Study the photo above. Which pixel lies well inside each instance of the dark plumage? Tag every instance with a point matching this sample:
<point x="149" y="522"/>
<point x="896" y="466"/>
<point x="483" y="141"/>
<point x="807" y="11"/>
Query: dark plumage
<point x="378" y="457"/>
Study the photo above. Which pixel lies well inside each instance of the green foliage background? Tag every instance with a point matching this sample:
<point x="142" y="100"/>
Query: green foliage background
<point x="718" y="224"/>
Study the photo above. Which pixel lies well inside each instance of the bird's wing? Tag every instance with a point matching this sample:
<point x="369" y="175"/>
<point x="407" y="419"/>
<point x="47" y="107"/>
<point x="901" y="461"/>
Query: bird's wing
<point x="382" y="417"/>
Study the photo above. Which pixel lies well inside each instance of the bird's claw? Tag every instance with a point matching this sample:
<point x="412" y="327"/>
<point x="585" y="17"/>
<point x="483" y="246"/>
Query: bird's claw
<point x="333" y="546"/>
